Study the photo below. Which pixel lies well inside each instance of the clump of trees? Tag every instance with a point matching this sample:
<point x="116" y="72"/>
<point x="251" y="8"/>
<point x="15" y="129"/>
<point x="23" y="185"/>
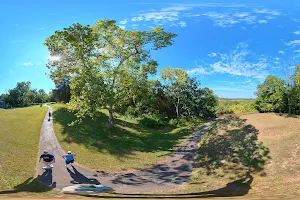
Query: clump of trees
<point x="278" y="95"/>
<point x="23" y="95"/>
<point x="108" y="67"/>
<point x="236" y="106"/>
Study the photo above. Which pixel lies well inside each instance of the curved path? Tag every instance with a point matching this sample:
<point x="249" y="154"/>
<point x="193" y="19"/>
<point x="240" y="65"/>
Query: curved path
<point x="167" y="175"/>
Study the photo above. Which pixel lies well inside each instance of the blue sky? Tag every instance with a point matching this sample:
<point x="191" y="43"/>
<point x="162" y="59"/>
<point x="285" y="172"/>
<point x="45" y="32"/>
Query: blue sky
<point x="230" y="46"/>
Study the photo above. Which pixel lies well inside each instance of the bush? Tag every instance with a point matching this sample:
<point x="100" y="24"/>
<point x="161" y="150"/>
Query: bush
<point x="152" y="120"/>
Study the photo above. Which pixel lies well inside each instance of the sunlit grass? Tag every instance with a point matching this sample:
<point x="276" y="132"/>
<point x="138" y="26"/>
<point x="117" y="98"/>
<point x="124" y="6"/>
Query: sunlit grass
<point x="127" y="146"/>
<point x="19" y="139"/>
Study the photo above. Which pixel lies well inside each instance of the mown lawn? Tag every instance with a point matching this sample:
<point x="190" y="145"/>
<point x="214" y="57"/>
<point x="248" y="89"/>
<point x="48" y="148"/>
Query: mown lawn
<point x="19" y="140"/>
<point x="127" y="146"/>
<point x="221" y="166"/>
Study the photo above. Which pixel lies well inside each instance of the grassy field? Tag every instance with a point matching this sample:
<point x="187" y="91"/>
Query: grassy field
<point x="127" y="146"/>
<point x="19" y="140"/>
<point x="280" y="175"/>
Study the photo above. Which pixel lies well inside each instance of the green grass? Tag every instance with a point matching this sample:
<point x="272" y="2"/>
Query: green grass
<point x="19" y="140"/>
<point x="127" y="146"/>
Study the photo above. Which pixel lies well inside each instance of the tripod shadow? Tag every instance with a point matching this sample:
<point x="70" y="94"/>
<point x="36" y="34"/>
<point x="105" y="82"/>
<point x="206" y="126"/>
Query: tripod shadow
<point x="79" y="178"/>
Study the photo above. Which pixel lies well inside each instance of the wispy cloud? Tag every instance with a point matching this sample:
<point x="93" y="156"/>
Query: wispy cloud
<point x="18" y="41"/>
<point x="281" y="52"/>
<point x="122" y="26"/>
<point x="230" y="89"/>
<point x="297" y="32"/>
<point x="26" y="64"/>
<point x="240" y="62"/>
<point x="263" y="21"/>
<point x="199" y="71"/>
<point x="267" y="12"/>
<point x="213" y="54"/>
<point x="293" y="43"/>
<point x="173" y="14"/>
<point x="124" y="21"/>
<point x="40" y="28"/>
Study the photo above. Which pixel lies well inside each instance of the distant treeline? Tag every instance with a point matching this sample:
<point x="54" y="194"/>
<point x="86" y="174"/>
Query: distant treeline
<point x="234" y="106"/>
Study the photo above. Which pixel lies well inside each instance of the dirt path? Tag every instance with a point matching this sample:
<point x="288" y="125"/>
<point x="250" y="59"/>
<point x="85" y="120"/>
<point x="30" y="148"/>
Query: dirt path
<point x="168" y="175"/>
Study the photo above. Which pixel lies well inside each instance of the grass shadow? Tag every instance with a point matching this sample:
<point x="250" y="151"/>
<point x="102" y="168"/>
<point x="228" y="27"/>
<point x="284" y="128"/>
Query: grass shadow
<point x="121" y="140"/>
<point x="42" y="183"/>
<point x="231" y="147"/>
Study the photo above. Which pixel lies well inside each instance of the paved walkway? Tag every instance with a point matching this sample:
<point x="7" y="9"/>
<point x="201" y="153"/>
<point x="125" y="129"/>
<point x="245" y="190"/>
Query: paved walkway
<point x="168" y="175"/>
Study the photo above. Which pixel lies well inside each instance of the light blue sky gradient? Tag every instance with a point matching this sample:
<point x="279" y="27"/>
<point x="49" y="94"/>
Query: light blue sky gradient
<point x="228" y="45"/>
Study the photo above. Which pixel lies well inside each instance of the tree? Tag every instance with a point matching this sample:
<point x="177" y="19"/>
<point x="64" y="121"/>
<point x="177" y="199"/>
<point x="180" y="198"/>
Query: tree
<point x="175" y="81"/>
<point x="96" y="58"/>
<point x="270" y="95"/>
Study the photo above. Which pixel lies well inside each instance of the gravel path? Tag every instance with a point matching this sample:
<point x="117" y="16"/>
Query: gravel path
<point x="167" y="175"/>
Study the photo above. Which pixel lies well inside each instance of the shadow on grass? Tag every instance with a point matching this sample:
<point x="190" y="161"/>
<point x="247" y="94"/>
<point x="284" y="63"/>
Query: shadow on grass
<point x="286" y="115"/>
<point x="231" y="147"/>
<point x="119" y="140"/>
<point x="42" y="183"/>
<point x="233" y="189"/>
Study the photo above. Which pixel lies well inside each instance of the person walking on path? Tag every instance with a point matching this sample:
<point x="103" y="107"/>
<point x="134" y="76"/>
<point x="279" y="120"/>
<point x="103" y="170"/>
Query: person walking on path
<point x="69" y="157"/>
<point x="48" y="159"/>
<point x="49" y="116"/>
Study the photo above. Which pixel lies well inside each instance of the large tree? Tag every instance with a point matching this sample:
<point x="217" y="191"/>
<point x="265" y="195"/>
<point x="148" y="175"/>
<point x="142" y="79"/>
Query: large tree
<point x="270" y="95"/>
<point x="175" y="80"/>
<point x="97" y="58"/>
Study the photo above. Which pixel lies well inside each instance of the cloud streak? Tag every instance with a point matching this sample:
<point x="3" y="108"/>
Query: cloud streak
<point x="236" y="63"/>
<point x="173" y="15"/>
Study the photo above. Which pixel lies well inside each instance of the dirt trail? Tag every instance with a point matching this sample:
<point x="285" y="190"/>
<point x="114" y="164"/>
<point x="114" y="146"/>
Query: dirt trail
<point x="170" y="174"/>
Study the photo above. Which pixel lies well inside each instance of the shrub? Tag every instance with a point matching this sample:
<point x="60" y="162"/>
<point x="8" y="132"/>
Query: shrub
<point x="151" y="120"/>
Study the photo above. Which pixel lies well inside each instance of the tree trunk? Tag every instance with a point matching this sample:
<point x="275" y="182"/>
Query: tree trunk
<point x="289" y="102"/>
<point x="177" y="109"/>
<point x="110" y="118"/>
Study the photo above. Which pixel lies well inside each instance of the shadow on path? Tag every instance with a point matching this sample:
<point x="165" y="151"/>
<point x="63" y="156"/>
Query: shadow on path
<point x="79" y="178"/>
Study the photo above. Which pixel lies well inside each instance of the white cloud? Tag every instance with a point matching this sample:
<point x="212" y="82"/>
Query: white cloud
<point x="213" y="54"/>
<point x="269" y="17"/>
<point x="277" y="58"/>
<point x="297" y="32"/>
<point x="281" y="52"/>
<point x="240" y="62"/>
<point x="122" y="26"/>
<point x="241" y="14"/>
<point x="123" y="21"/>
<point x="293" y="43"/>
<point x="41" y="28"/>
<point x="230" y="89"/>
<point x="297" y="51"/>
<point x="182" y="24"/>
<point x="263" y="21"/>
<point x="198" y="71"/>
<point x="268" y="12"/>
<point x="171" y="15"/>
<point x="26" y="64"/>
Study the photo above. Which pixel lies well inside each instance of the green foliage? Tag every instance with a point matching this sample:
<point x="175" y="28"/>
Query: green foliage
<point x="102" y="60"/>
<point x="236" y="107"/>
<point x="271" y="95"/>
<point x="22" y="95"/>
<point x="152" y="121"/>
